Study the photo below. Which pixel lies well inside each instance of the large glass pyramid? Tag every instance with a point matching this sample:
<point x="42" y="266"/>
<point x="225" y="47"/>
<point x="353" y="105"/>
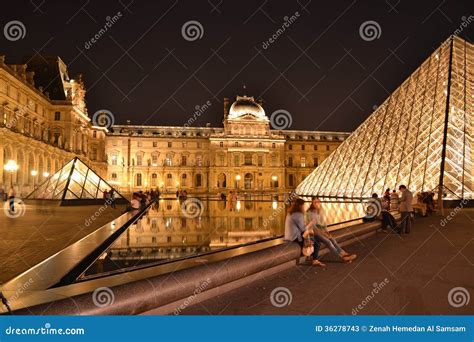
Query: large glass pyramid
<point x="421" y="136"/>
<point x="74" y="181"/>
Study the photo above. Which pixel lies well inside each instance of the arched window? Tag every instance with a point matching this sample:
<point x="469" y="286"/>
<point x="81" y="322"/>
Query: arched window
<point x="221" y="181"/>
<point x="138" y="179"/>
<point x="169" y="179"/>
<point x="154" y="178"/>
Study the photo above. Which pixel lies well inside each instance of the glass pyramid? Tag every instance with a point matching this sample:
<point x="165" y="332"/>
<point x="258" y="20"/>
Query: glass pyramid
<point x="421" y="136"/>
<point x="74" y="181"/>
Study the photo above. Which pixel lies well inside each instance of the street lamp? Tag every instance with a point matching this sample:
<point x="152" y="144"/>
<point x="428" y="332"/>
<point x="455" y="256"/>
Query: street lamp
<point x="237" y="179"/>
<point x="11" y="166"/>
<point x="45" y="174"/>
<point x="274" y="179"/>
<point x="34" y="173"/>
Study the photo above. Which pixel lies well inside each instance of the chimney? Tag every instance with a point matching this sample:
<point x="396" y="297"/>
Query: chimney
<point x="226" y="106"/>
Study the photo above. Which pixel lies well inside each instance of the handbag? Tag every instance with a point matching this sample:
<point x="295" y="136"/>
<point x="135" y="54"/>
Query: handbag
<point x="308" y="247"/>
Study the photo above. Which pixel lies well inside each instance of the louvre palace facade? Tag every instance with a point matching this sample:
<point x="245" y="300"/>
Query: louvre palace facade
<point x="45" y="123"/>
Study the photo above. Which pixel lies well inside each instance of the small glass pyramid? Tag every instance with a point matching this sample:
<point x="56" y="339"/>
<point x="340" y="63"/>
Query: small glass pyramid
<point x="74" y="181"/>
<point x="422" y="136"/>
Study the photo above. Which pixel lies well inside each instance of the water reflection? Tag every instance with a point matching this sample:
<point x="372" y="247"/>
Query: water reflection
<point x="166" y="232"/>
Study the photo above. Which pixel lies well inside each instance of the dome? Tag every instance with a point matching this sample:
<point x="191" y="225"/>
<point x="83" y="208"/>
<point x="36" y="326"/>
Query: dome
<point x="245" y="105"/>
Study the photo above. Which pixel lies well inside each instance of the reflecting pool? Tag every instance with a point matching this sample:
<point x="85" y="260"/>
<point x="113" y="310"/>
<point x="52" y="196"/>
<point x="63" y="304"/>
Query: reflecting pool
<point x="173" y="229"/>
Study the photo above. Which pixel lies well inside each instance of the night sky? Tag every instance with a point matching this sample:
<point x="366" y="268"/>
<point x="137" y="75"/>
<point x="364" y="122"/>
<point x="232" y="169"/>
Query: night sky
<point x="320" y="69"/>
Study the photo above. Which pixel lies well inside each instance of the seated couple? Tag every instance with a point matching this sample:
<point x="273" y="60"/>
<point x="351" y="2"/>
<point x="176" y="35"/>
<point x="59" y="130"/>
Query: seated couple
<point x="311" y="234"/>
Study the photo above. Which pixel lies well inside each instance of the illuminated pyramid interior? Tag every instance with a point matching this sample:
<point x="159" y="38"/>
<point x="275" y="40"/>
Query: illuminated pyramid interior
<point x="74" y="181"/>
<point x="421" y="136"/>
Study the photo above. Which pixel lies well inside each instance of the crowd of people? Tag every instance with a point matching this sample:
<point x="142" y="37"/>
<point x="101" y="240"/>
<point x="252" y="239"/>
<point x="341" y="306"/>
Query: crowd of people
<point x="308" y="227"/>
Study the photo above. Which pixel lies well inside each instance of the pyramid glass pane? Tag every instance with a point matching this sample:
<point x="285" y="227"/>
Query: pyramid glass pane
<point x="403" y="140"/>
<point x="74" y="181"/>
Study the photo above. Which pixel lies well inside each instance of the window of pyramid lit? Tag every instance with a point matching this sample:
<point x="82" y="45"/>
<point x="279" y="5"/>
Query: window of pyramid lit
<point x="421" y="136"/>
<point x="74" y="181"/>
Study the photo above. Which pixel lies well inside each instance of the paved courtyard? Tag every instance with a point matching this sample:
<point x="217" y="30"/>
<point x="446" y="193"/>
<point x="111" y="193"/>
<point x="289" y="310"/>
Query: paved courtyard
<point x="430" y="271"/>
<point x="44" y="230"/>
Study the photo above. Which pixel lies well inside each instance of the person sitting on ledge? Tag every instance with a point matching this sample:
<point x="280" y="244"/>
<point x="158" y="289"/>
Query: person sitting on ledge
<point x="295" y="228"/>
<point x="315" y="214"/>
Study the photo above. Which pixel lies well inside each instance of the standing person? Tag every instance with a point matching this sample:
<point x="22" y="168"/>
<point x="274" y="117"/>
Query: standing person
<point x="386" y="197"/>
<point x="394" y="199"/>
<point x="406" y="208"/>
<point x="11" y="198"/>
<point x="315" y="214"/>
<point x="2" y="194"/>
<point x="295" y="228"/>
<point x="112" y="198"/>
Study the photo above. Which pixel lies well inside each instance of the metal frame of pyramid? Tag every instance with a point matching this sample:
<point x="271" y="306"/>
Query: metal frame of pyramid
<point x="421" y="136"/>
<point x="74" y="183"/>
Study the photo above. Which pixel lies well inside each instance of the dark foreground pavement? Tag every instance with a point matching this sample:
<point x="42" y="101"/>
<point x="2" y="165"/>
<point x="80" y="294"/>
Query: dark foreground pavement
<point x="428" y="272"/>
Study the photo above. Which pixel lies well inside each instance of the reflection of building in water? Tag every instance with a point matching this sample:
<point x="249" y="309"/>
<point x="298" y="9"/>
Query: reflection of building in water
<point x="166" y="233"/>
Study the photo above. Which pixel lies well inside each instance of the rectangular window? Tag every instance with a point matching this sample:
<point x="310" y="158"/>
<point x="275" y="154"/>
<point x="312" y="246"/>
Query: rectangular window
<point x="114" y="160"/>
<point x="94" y="153"/>
<point x="154" y="159"/>
<point x="303" y="161"/>
<point x="290" y="161"/>
<point x="155" y="143"/>
<point x="315" y="162"/>
<point x="57" y="116"/>
<point x="199" y="161"/>
<point x="169" y="161"/>
<point x="273" y="145"/>
<point x="199" y="145"/>
<point x="328" y="148"/>
<point x="315" y="147"/>
<point x="260" y="161"/>
<point x="114" y="176"/>
<point x="248" y="159"/>
<point x="139" y="160"/>
<point x="290" y="147"/>
<point x="94" y="134"/>
<point x="139" y="144"/>
<point x="302" y="147"/>
<point x="221" y="144"/>
<point x="183" y="160"/>
<point x="236" y="160"/>
<point x="185" y="144"/>
<point x="170" y="144"/>
<point x="221" y="161"/>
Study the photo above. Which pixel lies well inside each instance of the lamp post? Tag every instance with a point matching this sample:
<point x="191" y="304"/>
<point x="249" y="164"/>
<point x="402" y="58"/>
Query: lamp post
<point x="274" y="179"/>
<point x="237" y="179"/>
<point x="45" y="174"/>
<point x="11" y="166"/>
<point x="34" y="173"/>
